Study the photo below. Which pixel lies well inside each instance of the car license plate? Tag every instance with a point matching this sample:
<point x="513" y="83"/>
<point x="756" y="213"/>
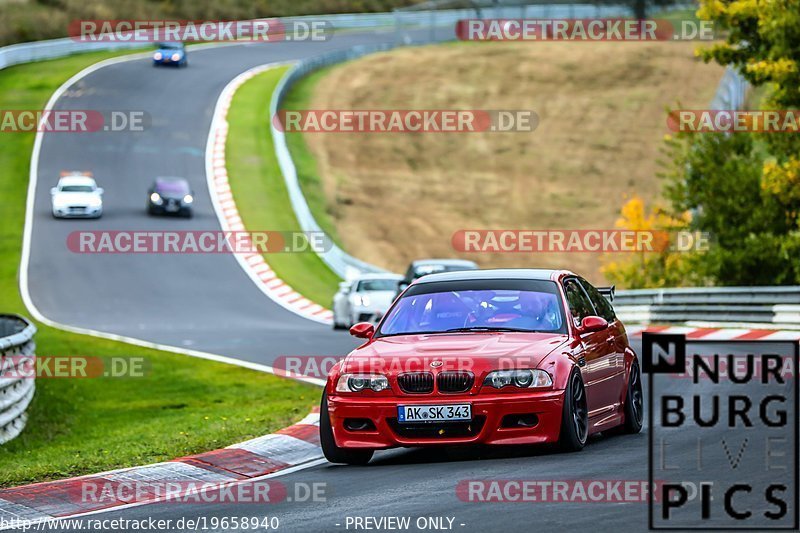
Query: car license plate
<point x="434" y="413"/>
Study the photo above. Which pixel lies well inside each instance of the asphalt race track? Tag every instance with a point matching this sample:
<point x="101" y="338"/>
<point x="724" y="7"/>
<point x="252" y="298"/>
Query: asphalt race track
<point x="206" y="302"/>
<point x="423" y="483"/>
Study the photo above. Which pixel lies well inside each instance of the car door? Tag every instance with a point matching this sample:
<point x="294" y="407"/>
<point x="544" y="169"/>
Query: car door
<point x="616" y="332"/>
<point x="598" y="352"/>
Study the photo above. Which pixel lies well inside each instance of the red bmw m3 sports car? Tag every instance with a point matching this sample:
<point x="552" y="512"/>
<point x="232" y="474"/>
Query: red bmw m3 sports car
<point x="491" y="357"/>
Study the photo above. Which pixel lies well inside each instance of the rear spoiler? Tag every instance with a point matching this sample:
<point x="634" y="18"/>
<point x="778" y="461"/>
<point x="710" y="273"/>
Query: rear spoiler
<point x="608" y="292"/>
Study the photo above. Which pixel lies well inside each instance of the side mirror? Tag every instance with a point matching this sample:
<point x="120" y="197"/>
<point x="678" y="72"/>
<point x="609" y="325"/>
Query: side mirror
<point x="344" y="286"/>
<point x="363" y="330"/>
<point x="593" y="323"/>
<point x="401" y="286"/>
<point x="100" y="190"/>
<point x="53" y="191"/>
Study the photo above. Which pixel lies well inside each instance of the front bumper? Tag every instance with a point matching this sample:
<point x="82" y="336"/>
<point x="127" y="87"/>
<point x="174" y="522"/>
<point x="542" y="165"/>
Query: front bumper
<point x="78" y="212"/>
<point x="167" y="61"/>
<point x="489" y="412"/>
<point x="365" y="314"/>
<point x="169" y="207"/>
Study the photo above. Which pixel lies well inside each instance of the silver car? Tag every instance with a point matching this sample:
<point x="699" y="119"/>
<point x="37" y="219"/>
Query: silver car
<point x="364" y="299"/>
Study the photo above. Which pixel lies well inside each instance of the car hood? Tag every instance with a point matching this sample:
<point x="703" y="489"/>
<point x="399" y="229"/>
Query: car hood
<point x="75" y="198"/>
<point x="473" y="351"/>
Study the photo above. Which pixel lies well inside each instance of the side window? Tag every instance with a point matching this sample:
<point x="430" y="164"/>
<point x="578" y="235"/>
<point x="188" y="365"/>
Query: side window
<point x="600" y="302"/>
<point x="579" y="304"/>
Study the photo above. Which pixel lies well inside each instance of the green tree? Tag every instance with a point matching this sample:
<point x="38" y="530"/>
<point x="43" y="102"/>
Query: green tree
<point x="744" y="188"/>
<point x="718" y="179"/>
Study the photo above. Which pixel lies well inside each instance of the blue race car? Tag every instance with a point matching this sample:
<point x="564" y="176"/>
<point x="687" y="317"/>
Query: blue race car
<point x="170" y="54"/>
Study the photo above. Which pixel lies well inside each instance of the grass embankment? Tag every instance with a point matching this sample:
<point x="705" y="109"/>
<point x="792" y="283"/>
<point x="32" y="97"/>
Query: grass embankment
<point x="260" y="191"/>
<point x="80" y="426"/>
<point x="602" y="118"/>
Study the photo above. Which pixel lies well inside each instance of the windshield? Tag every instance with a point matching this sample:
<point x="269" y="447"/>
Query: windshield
<point x="518" y="305"/>
<point x="170" y="46"/>
<point x="377" y="285"/>
<point x="77" y="188"/>
<point x="172" y="187"/>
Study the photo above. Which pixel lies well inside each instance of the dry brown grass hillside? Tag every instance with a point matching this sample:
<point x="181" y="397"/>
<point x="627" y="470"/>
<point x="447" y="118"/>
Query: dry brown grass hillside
<point x="396" y="197"/>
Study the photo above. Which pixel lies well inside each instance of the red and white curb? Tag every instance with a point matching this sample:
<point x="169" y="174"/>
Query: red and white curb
<point x="717" y="334"/>
<point x="244" y="462"/>
<point x="221" y="197"/>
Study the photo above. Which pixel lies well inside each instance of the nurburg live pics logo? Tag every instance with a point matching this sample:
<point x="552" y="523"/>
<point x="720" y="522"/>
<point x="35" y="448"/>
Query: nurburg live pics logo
<point x="724" y="446"/>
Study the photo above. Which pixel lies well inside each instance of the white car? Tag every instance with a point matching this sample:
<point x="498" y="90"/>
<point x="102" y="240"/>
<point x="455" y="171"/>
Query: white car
<point x="77" y="196"/>
<point x="364" y="299"/>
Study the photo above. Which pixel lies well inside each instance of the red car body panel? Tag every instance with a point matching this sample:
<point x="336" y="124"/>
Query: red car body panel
<point x="603" y="357"/>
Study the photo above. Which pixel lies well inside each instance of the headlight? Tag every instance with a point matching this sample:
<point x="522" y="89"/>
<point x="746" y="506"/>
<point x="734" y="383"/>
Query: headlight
<point x="188" y="199"/>
<point x="157" y="56"/>
<point x="362" y="300"/>
<point x="156" y="198"/>
<point x="176" y="57"/>
<point x="524" y="379"/>
<point x="96" y="202"/>
<point x="359" y="382"/>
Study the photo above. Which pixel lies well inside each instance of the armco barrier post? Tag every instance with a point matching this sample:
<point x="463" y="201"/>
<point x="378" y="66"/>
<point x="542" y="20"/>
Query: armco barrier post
<point x="16" y="391"/>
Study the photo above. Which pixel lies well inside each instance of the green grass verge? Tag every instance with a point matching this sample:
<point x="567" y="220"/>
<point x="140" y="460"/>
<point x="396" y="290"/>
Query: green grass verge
<point x="299" y="98"/>
<point x="260" y="192"/>
<point x="80" y="426"/>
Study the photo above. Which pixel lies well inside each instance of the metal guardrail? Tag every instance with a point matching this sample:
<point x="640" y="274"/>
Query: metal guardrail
<point x="16" y="391"/>
<point x="731" y="91"/>
<point x="344" y="265"/>
<point x="736" y="305"/>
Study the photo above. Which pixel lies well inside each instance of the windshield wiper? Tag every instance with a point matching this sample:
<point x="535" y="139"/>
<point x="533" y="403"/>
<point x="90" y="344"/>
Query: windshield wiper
<point x="485" y="328"/>
<point x="458" y="330"/>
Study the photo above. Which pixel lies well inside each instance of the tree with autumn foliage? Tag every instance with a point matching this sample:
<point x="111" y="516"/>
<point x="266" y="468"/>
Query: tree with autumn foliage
<point x="763" y="43"/>
<point x="664" y="266"/>
<point x="744" y="188"/>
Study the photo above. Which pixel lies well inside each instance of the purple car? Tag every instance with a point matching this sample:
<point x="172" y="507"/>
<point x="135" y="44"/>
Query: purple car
<point x="170" y="196"/>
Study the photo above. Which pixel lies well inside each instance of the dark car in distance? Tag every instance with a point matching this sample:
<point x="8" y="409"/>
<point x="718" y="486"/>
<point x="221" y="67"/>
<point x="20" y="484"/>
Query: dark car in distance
<point x="423" y="267"/>
<point x="170" y="196"/>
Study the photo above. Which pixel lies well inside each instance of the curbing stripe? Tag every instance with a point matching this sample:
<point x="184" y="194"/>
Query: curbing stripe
<point x="236" y="461"/>
<point x="720" y="334"/>
<point x="283" y="448"/>
<point x="225" y="204"/>
<point x="290" y="448"/>
<point x="10" y="511"/>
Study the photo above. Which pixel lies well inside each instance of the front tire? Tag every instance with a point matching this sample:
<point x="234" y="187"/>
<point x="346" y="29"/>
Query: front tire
<point x="575" y="415"/>
<point x="634" y="401"/>
<point x="332" y="452"/>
